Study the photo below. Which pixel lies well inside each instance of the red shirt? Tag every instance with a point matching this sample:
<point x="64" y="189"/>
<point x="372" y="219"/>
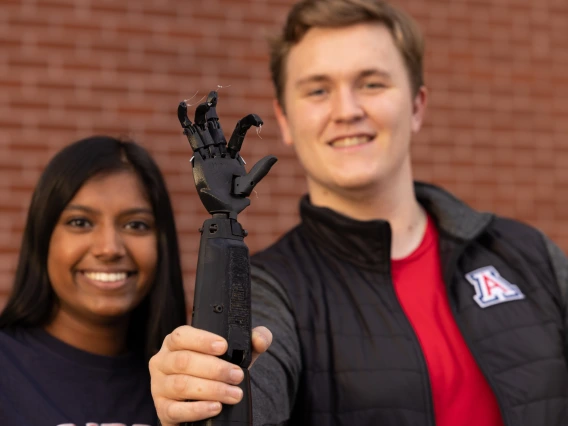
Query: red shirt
<point x="460" y="392"/>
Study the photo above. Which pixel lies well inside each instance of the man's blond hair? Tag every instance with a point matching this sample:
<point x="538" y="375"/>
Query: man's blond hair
<point x="308" y="14"/>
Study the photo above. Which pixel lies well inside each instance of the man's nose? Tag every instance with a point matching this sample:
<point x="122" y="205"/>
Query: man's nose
<point x="108" y="243"/>
<point x="347" y="107"/>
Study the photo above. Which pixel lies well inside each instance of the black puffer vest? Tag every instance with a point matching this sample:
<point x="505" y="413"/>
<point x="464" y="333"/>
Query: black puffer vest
<point x="362" y="363"/>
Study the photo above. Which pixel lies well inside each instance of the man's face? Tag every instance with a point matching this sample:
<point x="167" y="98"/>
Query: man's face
<point x="349" y="109"/>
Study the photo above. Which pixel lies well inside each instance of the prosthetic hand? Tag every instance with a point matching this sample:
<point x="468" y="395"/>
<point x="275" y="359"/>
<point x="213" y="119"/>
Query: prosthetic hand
<point x="222" y="301"/>
<point x="220" y="176"/>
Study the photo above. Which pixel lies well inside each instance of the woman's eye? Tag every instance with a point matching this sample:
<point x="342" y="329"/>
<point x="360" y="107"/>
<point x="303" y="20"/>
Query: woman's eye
<point x="138" y="225"/>
<point x="78" y="223"/>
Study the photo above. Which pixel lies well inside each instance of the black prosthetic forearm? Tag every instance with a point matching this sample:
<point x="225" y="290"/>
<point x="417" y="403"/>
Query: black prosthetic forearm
<point x="222" y="302"/>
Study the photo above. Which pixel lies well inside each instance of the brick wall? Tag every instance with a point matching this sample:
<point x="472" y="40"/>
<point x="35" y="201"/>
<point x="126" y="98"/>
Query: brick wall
<point x="496" y="131"/>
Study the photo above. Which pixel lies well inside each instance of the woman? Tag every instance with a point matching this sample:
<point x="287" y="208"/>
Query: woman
<point x="98" y="287"/>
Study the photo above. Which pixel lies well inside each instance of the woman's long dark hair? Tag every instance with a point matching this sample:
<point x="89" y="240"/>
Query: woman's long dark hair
<point x="32" y="299"/>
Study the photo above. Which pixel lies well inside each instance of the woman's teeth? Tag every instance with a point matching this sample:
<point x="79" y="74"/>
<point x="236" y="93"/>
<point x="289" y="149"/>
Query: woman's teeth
<point x="352" y="141"/>
<point x="106" y="277"/>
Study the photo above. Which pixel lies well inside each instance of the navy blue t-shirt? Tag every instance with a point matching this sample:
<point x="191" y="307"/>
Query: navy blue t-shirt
<point x="45" y="382"/>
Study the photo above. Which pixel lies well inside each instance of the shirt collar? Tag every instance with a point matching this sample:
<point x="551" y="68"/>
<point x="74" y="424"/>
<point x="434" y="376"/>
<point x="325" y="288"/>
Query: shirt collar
<point x="367" y="244"/>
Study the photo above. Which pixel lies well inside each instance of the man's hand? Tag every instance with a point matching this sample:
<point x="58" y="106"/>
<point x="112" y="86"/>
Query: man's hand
<point x="188" y="368"/>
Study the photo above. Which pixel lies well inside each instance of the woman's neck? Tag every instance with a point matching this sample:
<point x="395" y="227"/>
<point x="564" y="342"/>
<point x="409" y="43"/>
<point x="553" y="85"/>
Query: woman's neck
<point x="101" y="339"/>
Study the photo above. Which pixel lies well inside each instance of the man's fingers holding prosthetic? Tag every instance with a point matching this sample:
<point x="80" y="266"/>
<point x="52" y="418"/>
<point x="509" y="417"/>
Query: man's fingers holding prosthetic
<point x="200" y="365"/>
<point x="182" y="387"/>
<point x="187" y="337"/>
<point x="172" y="413"/>
<point x="261" y="341"/>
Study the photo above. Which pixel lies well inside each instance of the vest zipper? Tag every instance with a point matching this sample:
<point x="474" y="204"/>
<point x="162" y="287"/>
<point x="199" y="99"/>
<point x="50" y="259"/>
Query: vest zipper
<point x="432" y="420"/>
<point x="452" y="265"/>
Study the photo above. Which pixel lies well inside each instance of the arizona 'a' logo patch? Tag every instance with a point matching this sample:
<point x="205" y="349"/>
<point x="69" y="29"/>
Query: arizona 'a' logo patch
<point x="491" y="288"/>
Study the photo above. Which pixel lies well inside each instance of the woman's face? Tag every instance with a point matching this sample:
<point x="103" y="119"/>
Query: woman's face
<point x="103" y="251"/>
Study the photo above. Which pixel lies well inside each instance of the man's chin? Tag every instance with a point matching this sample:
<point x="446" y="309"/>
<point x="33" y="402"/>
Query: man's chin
<point x="357" y="184"/>
<point x="353" y="187"/>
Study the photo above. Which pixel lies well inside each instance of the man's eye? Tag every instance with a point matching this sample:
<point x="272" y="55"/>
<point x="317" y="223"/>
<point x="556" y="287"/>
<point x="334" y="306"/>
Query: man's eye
<point x="316" y="92"/>
<point x="78" y="222"/>
<point x="374" y="85"/>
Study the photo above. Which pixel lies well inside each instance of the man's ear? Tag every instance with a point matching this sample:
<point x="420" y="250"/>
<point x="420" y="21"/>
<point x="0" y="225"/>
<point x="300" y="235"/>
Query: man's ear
<point x="282" y="123"/>
<point x="419" y="109"/>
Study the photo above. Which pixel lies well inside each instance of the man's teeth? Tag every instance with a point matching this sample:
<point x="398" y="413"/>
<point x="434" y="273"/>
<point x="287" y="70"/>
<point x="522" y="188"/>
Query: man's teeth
<point x="357" y="140"/>
<point x="105" y="277"/>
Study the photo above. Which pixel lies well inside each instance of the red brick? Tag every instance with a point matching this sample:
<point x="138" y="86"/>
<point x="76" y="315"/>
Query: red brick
<point x="495" y="132"/>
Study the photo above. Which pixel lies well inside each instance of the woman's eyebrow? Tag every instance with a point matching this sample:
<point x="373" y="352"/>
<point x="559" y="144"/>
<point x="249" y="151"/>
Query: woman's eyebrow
<point x="86" y="209"/>
<point x="81" y="208"/>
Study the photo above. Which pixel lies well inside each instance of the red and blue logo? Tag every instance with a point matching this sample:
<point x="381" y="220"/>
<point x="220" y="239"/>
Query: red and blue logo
<point x="491" y="288"/>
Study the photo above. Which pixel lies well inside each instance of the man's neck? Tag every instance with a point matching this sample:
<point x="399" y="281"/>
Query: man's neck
<point x="395" y="203"/>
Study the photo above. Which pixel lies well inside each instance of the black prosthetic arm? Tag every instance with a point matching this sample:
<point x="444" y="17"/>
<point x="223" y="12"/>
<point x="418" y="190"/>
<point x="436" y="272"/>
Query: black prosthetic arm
<point x="222" y="301"/>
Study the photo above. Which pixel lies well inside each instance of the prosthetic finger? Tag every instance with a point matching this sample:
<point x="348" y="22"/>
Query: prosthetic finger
<point x="238" y="136"/>
<point x="190" y="131"/>
<point x="206" y="119"/>
<point x="243" y="185"/>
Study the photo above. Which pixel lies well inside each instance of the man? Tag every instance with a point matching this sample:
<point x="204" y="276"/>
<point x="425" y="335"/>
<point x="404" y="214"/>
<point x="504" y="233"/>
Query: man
<point x="392" y="303"/>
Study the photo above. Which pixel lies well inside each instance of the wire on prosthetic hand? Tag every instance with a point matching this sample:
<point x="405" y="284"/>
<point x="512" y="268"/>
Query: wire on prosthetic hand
<point x="222" y="287"/>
